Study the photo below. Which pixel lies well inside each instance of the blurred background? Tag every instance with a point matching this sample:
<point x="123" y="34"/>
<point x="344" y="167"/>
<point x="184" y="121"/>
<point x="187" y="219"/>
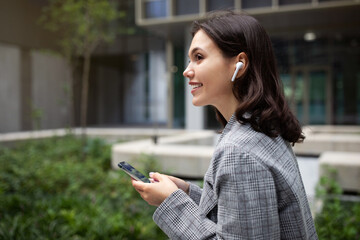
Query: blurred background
<point x="136" y="79"/>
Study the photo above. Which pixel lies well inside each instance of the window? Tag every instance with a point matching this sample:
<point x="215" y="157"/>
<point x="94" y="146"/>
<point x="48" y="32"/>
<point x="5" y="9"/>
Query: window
<point x="256" y="4"/>
<point x="155" y="8"/>
<point x="186" y="7"/>
<point x="288" y="2"/>
<point x="215" y="4"/>
<point x="330" y="0"/>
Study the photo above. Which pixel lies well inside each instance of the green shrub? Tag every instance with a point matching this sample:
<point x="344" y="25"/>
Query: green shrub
<point x="337" y="219"/>
<point x="48" y="192"/>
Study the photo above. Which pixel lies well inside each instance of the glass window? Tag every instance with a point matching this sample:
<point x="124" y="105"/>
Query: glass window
<point x="185" y="7"/>
<point x="346" y="48"/>
<point x="215" y="4"/>
<point x="288" y="2"/>
<point x="299" y="96"/>
<point x="155" y="8"/>
<point x="339" y="97"/>
<point x="179" y="89"/>
<point x="256" y="4"/>
<point x="317" y="97"/>
<point x="288" y="91"/>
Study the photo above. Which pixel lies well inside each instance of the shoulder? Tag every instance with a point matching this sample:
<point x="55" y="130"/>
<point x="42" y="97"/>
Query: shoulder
<point x="233" y="161"/>
<point x="245" y="139"/>
<point x="243" y="147"/>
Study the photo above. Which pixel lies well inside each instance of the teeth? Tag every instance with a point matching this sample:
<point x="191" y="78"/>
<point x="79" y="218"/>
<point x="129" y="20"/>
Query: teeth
<point x="196" y="85"/>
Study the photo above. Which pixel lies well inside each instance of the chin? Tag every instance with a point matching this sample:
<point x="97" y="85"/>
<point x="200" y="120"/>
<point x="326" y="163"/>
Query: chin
<point x="197" y="103"/>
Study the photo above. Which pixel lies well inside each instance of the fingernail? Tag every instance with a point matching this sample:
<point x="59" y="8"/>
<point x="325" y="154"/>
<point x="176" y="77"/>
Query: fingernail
<point x="151" y="173"/>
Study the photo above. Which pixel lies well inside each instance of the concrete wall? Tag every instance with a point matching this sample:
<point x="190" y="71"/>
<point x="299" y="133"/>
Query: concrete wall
<point x="10" y="99"/>
<point x="343" y="167"/>
<point x="51" y="87"/>
<point x="32" y="81"/>
<point x="19" y="24"/>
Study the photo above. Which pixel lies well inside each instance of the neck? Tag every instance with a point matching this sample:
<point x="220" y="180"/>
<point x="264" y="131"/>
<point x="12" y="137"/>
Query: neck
<point x="228" y="109"/>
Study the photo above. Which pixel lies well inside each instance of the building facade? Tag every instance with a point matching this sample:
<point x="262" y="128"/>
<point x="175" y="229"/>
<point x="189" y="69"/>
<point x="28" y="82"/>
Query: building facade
<point x="316" y="42"/>
<point x="39" y="90"/>
<point x="137" y="80"/>
<point x="33" y="83"/>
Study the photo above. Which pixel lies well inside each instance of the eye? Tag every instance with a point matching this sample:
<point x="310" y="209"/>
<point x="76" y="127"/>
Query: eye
<point x="198" y="57"/>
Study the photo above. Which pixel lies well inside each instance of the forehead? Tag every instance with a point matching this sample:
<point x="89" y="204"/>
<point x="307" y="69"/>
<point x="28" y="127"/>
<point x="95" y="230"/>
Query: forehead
<point x="202" y="41"/>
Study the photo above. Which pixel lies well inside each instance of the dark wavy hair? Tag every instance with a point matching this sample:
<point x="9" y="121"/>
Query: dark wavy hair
<point x="259" y="90"/>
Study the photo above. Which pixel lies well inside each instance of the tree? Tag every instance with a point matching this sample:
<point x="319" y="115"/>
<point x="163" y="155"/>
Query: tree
<point x="82" y="25"/>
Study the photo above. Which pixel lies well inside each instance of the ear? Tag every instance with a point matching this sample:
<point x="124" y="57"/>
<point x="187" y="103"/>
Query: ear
<point x="242" y="57"/>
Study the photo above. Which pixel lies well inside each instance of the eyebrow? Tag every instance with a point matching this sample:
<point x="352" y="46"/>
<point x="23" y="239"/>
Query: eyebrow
<point x="194" y="50"/>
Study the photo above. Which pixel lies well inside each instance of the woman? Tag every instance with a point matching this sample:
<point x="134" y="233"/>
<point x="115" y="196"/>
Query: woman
<point x="253" y="188"/>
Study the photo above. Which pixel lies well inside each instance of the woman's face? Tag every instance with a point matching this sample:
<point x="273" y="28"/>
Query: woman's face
<point x="209" y="73"/>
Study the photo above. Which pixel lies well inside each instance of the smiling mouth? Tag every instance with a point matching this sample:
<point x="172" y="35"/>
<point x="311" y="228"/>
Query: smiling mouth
<point x="197" y="85"/>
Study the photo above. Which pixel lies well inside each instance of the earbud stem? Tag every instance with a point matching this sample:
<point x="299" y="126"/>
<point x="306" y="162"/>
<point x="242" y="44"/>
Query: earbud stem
<point x="238" y="67"/>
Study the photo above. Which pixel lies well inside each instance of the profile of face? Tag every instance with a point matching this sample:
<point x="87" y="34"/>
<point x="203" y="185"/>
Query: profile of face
<point x="209" y="73"/>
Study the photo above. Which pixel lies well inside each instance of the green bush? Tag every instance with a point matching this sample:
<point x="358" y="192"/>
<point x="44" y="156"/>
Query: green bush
<point x="48" y="192"/>
<point x="337" y="219"/>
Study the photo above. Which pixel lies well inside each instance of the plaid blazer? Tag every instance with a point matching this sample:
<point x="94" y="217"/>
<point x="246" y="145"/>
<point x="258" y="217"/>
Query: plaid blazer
<point x="252" y="190"/>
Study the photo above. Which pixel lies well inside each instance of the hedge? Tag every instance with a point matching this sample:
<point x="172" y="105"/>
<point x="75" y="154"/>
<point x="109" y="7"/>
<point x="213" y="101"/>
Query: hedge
<point x="48" y="192"/>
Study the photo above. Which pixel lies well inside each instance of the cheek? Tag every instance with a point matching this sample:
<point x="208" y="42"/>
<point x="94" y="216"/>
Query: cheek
<point x="223" y="89"/>
<point x="218" y="89"/>
<point x="217" y="73"/>
<point x="221" y="79"/>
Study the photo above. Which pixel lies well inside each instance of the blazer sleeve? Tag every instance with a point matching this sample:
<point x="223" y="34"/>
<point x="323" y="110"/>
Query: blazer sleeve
<point x="246" y="203"/>
<point x="180" y="218"/>
<point x="195" y="192"/>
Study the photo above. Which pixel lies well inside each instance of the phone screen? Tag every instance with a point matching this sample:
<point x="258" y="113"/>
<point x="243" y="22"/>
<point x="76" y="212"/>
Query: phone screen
<point x="130" y="170"/>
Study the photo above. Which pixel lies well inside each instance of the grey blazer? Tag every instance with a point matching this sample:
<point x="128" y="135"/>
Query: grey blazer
<point x="252" y="190"/>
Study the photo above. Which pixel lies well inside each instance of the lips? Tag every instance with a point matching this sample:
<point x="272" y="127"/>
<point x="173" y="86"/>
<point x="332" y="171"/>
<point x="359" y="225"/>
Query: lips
<point x="196" y="85"/>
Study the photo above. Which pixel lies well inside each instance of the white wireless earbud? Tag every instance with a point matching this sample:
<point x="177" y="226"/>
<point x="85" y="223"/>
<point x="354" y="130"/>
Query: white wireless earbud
<point x="238" y="67"/>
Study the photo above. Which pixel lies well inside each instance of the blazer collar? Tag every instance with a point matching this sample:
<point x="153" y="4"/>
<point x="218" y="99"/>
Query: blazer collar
<point x="228" y="127"/>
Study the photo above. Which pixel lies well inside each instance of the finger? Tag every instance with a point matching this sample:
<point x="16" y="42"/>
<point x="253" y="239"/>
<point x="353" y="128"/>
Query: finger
<point x="138" y="185"/>
<point x="174" y="179"/>
<point x="152" y="180"/>
<point x="157" y="176"/>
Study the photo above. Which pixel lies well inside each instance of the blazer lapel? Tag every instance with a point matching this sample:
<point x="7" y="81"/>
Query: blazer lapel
<point x="208" y="200"/>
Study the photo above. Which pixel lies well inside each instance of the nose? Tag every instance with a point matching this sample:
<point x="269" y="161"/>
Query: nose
<point x="188" y="73"/>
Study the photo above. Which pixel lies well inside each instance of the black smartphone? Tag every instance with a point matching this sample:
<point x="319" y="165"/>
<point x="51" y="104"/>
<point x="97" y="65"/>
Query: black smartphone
<point x="135" y="174"/>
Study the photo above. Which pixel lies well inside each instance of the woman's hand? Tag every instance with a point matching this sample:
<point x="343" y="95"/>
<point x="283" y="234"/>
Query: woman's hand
<point x="156" y="192"/>
<point x="180" y="184"/>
